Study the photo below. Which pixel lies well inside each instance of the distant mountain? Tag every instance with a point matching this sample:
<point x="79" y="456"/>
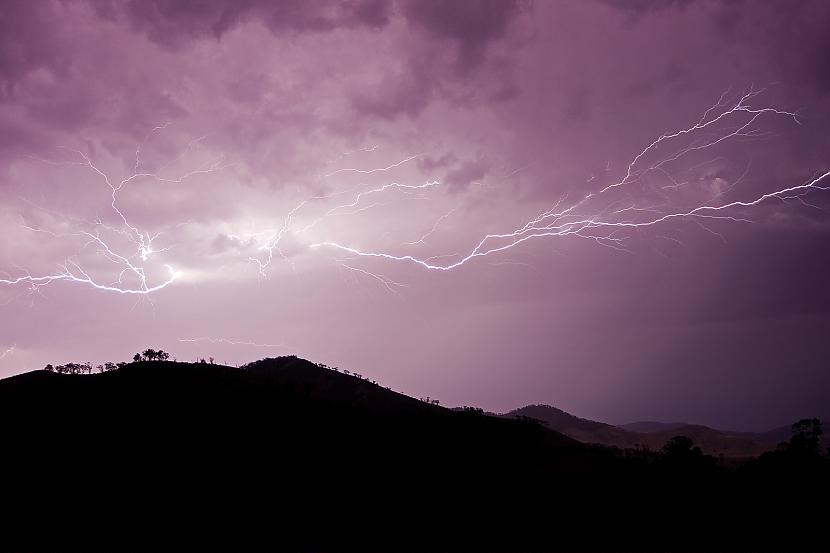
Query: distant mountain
<point x="711" y="441"/>
<point x="769" y="438"/>
<point x="652" y="435"/>
<point x="775" y="436"/>
<point x="584" y="430"/>
<point x="784" y="433"/>
<point x="645" y="427"/>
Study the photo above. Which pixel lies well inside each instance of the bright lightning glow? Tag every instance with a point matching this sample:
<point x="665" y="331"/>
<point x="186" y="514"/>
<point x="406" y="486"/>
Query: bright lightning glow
<point x="272" y="243"/>
<point x="77" y="274"/>
<point x="607" y="216"/>
<point x="143" y="242"/>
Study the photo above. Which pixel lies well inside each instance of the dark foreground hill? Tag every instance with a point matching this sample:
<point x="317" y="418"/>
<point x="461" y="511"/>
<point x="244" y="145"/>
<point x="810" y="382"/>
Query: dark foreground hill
<point x="285" y="455"/>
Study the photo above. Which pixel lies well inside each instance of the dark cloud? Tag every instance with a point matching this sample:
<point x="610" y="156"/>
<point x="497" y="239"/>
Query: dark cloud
<point x="792" y="35"/>
<point x="456" y="173"/>
<point x="16" y="139"/>
<point x="173" y="23"/>
<point x="372" y="13"/>
<point x="428" y="164"/>
<point x="31" y="36"/>
<point x="68" y="112"/>
<point x="406" y="91"/>
<point x="642" y="7"/>
<point x="447" y="59"/>
<point x="795" y="38"/>
<point x="470" y="24"/>
<point x="322" y="15"/>
<point x="467" y="173"/>
<point x="28" y="40"/>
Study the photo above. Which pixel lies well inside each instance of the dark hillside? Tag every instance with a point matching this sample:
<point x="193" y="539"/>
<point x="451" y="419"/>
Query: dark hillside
<point x="310" y="380"/>
<point x="286" y="455"/>
<point x="583" y="430"/>
<point x="651" y="435"/>
<point x="282" y="447"/>
<point x="777" y="435"/>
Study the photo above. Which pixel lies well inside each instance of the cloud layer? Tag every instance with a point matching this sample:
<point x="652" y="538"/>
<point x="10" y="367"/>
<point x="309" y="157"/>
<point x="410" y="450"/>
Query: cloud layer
<point x="415" y="128"/>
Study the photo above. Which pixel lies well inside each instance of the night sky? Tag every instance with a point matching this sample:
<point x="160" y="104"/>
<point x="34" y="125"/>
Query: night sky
<point x="243" y="179"/>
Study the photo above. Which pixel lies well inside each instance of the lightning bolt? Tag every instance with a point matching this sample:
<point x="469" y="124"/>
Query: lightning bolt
<point x="578" y="228"/>
<point x="271" y="244"/>
<point x="229" y="342"/>
<point x="608" y="216"/>
<point x="77" y="274"/>
<point x="387" y="283"/>
<point x="430" y="232"/>
<point x="604" y="224"/>
<point x="370" y="171"/>
<point x="143" y="242"/>
<point x="8" y="351"/>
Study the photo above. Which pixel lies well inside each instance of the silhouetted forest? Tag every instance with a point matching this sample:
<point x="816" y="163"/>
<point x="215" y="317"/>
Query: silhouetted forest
<point x="284" y="454"/>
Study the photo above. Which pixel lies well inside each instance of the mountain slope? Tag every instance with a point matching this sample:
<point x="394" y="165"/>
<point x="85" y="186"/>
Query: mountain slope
<point x="584" y="430"/>
<point x="711" y="441"/>
<point x="782" y="434"/>
<point x="653" y="435"/>
<point x="311" y="380"/>
<point x="645" y="427"/>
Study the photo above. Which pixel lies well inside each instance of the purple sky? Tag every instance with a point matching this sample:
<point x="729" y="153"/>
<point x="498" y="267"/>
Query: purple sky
<point x="337" y="135"/>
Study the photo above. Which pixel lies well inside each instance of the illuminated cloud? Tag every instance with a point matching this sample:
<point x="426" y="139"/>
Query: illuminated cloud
<point x="300" y="166"/>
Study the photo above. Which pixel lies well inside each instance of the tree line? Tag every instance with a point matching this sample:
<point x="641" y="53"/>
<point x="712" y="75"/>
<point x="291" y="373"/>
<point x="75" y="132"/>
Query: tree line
<point x="88" y="368"/>
<point x="151" y="355"/>
<point x="83" y="368"/>
<point x="804" y="449"/>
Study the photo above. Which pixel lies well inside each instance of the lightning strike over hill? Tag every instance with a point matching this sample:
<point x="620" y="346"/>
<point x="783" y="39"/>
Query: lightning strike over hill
<point x="579" y="202"/>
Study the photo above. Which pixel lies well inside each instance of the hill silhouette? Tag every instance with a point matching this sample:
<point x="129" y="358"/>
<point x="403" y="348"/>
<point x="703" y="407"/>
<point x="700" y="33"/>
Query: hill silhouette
<point x="781" y="434"/>
<point x="645" y="427"/>
<point x="583" y="430"/>
<point x="763" y="441"/>
<point x="286" y="455"/>
<point x="313" y="381"/>
<point x="652" y="435"/>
